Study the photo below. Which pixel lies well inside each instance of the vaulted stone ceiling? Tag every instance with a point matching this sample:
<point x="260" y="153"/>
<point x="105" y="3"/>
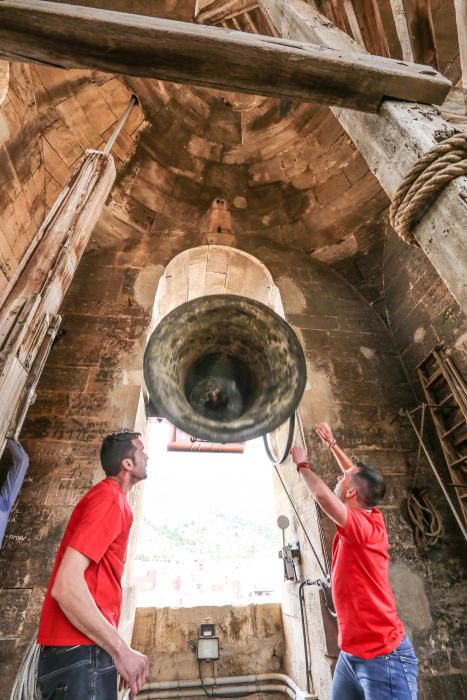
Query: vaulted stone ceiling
<point x="286" y="169"/>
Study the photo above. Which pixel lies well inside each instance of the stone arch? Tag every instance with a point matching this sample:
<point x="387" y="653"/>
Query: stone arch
<point x="4" y="79"/>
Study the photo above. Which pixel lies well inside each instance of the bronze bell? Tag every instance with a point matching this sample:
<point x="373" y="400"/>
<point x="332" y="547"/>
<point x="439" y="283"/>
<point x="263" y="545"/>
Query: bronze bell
<point x="224" y="368"/>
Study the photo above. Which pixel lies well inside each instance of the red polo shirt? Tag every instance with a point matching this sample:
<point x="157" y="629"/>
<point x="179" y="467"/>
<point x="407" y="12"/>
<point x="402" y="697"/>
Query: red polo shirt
<point x="99" y="528"/>
<point x="366" y="610"/>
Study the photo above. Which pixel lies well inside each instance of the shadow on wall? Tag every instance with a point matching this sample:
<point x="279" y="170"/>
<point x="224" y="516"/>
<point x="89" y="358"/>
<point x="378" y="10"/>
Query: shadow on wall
<point x="4" y="78"/>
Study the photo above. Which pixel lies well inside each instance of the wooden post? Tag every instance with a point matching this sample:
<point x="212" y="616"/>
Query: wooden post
<point x="391" y="142"/>
<point x="36" y="296"/>
<point x="28" y="310"/>
<point x="402" y="29"/>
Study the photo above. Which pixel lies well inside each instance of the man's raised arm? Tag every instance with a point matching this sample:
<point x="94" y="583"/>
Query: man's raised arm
<point x="325" y="433"/>
<point x="326" y="499"/>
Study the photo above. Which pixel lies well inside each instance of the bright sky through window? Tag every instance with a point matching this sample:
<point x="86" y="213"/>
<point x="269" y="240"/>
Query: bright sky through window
<point x="209" y="534"/>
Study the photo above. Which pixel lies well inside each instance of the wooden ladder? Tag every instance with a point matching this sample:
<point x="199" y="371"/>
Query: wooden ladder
<point x="446" y="396"/>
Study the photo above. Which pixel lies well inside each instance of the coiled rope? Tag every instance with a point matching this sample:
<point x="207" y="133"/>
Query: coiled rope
<point x="426" y="178"/>
<point x="426" y="521"/>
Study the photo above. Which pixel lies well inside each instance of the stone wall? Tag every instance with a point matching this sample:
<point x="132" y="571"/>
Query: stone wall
<point x="251" y="640"/>
<point x="420" y="309"/>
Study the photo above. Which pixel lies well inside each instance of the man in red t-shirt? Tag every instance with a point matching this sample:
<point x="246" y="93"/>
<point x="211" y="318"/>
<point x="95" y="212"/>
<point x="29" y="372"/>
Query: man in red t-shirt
<point x="82" y="653"/>
<point x="377" y="660"/>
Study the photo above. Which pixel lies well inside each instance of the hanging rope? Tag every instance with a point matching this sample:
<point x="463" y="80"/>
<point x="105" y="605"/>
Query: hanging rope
<point x="426" y="178"/>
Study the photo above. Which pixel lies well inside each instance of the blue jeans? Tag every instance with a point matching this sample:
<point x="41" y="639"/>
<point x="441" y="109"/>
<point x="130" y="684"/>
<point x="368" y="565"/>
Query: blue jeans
<point x="82" y="672"/>
<point x="389" y="677"/>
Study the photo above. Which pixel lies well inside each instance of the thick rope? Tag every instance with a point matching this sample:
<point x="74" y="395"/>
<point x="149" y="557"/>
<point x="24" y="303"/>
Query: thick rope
<point x="426" y="178"/>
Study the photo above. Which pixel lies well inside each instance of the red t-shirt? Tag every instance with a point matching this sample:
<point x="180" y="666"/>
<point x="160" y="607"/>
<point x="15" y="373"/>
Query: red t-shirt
<point x="366" y="610"/>
<point x="99" y="528"/>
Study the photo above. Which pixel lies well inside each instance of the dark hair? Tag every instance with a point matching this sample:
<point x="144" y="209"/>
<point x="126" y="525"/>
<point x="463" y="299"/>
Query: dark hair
<point x="369" y="484"/>
<point x="115" y="448"/>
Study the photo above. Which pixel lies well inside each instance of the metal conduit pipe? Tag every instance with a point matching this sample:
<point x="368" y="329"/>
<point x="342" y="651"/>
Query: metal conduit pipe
<point x="228" y="680"/>
<point x="228" y="690"/>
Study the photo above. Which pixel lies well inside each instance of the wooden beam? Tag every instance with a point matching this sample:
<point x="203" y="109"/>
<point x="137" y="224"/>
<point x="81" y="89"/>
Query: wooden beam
<point x="402" y="29"/>
<point x="391" y="142"/>
<point x="219" y="11"/>
<point x="116" y="42"/>
<point x="353" y="22"/>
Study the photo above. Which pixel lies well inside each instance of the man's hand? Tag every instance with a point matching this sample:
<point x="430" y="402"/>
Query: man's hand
<point x="298" y="454"/>
<point x="325" y="433"/>
<point x="133" y="668"/>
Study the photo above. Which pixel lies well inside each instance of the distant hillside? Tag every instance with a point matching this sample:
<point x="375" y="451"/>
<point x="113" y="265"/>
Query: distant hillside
<point x="217" y="536"/>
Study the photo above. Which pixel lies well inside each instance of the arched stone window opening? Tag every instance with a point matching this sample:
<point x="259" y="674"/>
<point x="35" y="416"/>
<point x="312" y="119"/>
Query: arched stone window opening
<point x="4" y="79"/>
<point x="216" y="489"/>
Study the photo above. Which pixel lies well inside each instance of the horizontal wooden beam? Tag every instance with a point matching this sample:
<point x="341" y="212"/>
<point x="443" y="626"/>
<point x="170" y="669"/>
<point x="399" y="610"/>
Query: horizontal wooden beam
<point x="117" y="42"/>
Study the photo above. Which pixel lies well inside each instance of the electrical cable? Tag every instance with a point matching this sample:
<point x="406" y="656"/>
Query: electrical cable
<point x="301" y="523"/>
<point x="292" y="421"/>
<point x="317" y="508"/>
<point x="24" y="687"/>
<point x="304" y="622"/>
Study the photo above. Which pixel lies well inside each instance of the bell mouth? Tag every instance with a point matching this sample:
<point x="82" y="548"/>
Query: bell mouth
<point x="220" y="387"/>
<point x="224" y="368"/>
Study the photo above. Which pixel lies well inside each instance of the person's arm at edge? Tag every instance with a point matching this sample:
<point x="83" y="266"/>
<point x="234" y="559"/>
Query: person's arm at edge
<point x="72" y="594"/>
<point x="325" y="433"/>
<point x="326" y="499"/>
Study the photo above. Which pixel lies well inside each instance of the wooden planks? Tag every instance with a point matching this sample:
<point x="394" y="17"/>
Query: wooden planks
<point x="81" y="37"/>
<point x="219" y="11"/>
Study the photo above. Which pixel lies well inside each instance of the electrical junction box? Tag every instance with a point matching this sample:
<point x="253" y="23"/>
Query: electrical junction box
<point x="207" y="648"/>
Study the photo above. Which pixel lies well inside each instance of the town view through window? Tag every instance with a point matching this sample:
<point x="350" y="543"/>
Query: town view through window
<point x="209" y="532"/>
